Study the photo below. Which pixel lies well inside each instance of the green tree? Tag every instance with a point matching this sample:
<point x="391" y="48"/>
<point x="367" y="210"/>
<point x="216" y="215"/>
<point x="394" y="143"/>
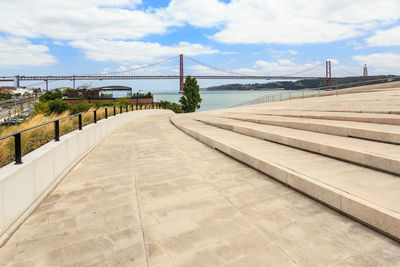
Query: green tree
<point x="190" y="100"/>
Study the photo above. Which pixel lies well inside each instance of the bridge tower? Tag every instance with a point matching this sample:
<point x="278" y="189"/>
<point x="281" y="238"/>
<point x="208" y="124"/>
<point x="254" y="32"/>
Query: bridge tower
<point x="16" y="81"/>
<point x="181" y="73"/>
<point x="73" y="81"/>
<point x="365" y="71"/>
<point x="328" y="73"/>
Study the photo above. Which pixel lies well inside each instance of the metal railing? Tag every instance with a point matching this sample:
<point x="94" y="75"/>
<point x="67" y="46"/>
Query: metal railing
<point x="280" y="96"/>
<point x="335" y="89"/>
<point x="56" y="123"/>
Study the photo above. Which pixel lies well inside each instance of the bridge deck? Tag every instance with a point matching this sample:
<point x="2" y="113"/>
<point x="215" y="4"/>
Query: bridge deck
<point x="153" y="196"/>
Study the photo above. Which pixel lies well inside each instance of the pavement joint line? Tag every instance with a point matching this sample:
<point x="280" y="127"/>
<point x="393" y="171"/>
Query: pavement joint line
<point x="138" y="205"/>
<point x="233" y="205"/>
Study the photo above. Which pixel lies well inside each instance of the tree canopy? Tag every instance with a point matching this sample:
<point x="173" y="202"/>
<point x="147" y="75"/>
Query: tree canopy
<point x="190" y="100"/>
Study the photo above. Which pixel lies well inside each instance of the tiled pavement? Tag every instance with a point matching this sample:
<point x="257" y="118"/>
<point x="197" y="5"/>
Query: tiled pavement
<point x="150" y="195"/>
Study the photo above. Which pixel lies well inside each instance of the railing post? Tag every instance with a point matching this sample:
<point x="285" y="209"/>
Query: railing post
<point x="131" y="107"/>
<point x="115" y="112"/>
<point x="18" y="150"/>
<point x="120" y="109"/>
<point x="57" y="130"/>
<point x="80" y="121"/>
<point x="106" y="113"/>
<point x="94" y="116"/>
<point x="126" y="108"/>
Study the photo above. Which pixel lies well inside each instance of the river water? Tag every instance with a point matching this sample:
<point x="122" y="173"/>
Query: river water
<point x="225" y="99"/>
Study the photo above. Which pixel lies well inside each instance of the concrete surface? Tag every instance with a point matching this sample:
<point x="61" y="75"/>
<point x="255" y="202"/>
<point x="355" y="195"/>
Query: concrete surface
<point x="382" y="101"/>
<point x="23" y="187"/>
<point x="150" y="195"/>
<point x="377" y="155"/>
<point x="318" y="159"/>
<point x="364" y="130"/>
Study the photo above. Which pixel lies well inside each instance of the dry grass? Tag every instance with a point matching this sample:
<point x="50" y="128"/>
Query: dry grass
<point x="35" y="138"/>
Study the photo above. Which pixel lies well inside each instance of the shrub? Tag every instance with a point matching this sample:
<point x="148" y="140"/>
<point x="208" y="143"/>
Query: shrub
<point x="51" y="95"/>
<point x="141" y="95"/>
<point x="171" y="105"/>
<point x="5" y="96"/>
<point x="122" y="102"/>
<point x="80" y="107"/>
<point x="105" y="104"/>
<point x="41" y="108"/>
<point x="58" y="106"/>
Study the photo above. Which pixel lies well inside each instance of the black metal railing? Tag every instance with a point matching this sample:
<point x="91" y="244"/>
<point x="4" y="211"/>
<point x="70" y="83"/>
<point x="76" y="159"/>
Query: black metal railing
<point x="56" y="123"/>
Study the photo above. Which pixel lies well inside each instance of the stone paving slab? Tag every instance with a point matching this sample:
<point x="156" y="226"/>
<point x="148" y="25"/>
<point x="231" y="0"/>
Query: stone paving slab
<point x="391" y="119"/>
<point x="371" y="131"/>
<point x="385" y="101"/>
<point x="368" y="195"/>
<point x="150" y="195"/>
<point x="377" y="155"/>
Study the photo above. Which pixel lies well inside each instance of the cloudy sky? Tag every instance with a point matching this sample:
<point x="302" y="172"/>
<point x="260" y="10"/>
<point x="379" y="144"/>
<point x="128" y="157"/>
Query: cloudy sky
<point x="267" y="37"/>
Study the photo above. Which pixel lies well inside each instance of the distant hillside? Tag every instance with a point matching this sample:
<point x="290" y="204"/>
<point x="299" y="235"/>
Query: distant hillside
<point x="337" y="83"/>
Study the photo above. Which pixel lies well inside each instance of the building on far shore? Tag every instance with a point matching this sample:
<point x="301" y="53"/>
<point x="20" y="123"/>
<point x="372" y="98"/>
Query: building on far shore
<point x="115" y="91"/>
<point x="7" y="89"/>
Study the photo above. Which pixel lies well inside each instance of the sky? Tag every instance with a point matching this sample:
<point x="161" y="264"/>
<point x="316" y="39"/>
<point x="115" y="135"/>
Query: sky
<point x="255" y="37"/>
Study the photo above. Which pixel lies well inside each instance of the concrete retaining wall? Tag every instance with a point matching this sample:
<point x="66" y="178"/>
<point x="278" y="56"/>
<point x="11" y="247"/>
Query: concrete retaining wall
<point x="23" y="187"/>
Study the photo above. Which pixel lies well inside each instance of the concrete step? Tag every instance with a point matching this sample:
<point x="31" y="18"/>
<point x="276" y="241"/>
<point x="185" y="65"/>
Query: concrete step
<point x="371" y="131"/>
<point x="391" y="119"/>
<point x="367" y="195"/>
<point x="384" y="157"/>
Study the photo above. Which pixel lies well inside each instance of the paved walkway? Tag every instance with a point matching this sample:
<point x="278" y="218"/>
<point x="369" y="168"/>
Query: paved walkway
<point x="150" y="195"/>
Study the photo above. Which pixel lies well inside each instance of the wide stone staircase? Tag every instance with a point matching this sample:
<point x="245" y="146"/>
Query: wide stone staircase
<point x="349" y="161"/>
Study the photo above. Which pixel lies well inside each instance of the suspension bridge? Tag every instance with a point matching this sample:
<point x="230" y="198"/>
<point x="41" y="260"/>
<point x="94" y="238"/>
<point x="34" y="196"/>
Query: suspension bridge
<point x="201" y="71"/>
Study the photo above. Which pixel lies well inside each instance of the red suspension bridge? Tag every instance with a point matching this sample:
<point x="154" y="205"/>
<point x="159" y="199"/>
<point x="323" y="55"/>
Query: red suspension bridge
<point x="218" y="73"/>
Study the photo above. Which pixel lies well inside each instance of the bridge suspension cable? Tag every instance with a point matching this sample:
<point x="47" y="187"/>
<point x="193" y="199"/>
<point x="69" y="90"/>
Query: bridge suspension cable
<point x="347" y="70"/>
<point x="140" y="67"/>
<point x="214" y="68"/>
<point x="305" y="70"/>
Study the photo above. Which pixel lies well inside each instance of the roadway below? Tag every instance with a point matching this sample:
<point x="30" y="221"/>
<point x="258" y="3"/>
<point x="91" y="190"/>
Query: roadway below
<point x="4" y="113"/>
<point x="150" y="195"/>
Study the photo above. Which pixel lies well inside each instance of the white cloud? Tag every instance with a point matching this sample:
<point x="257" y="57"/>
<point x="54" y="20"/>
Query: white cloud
<point x="77" y="19"/>
<point x="58" y="43"/>
<point x="283" y="67"/>
<point x="136" y="52"/>
<point x="333" y="61"/>
<point x="285" y="21"/>
<point x="207" y="13"/>
<point x="152" y="70"/>
<point x="380" y="63"/>
<point x="283" y="52"/>
<point x="16" y="52"/>
<point x="388" y="37"/>
<point x="287" y="67"/>
<point x="239" y="21"/>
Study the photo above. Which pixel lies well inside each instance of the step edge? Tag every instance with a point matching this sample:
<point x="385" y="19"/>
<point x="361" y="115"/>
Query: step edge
<point x="367" y="159"/>
<point x="381" y="219"/>
<point x="347" y="131"/>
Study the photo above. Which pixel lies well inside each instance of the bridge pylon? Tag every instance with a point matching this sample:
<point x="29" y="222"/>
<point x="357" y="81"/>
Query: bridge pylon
<point x="181" y="78"/>
<point x="328" y="73"/>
